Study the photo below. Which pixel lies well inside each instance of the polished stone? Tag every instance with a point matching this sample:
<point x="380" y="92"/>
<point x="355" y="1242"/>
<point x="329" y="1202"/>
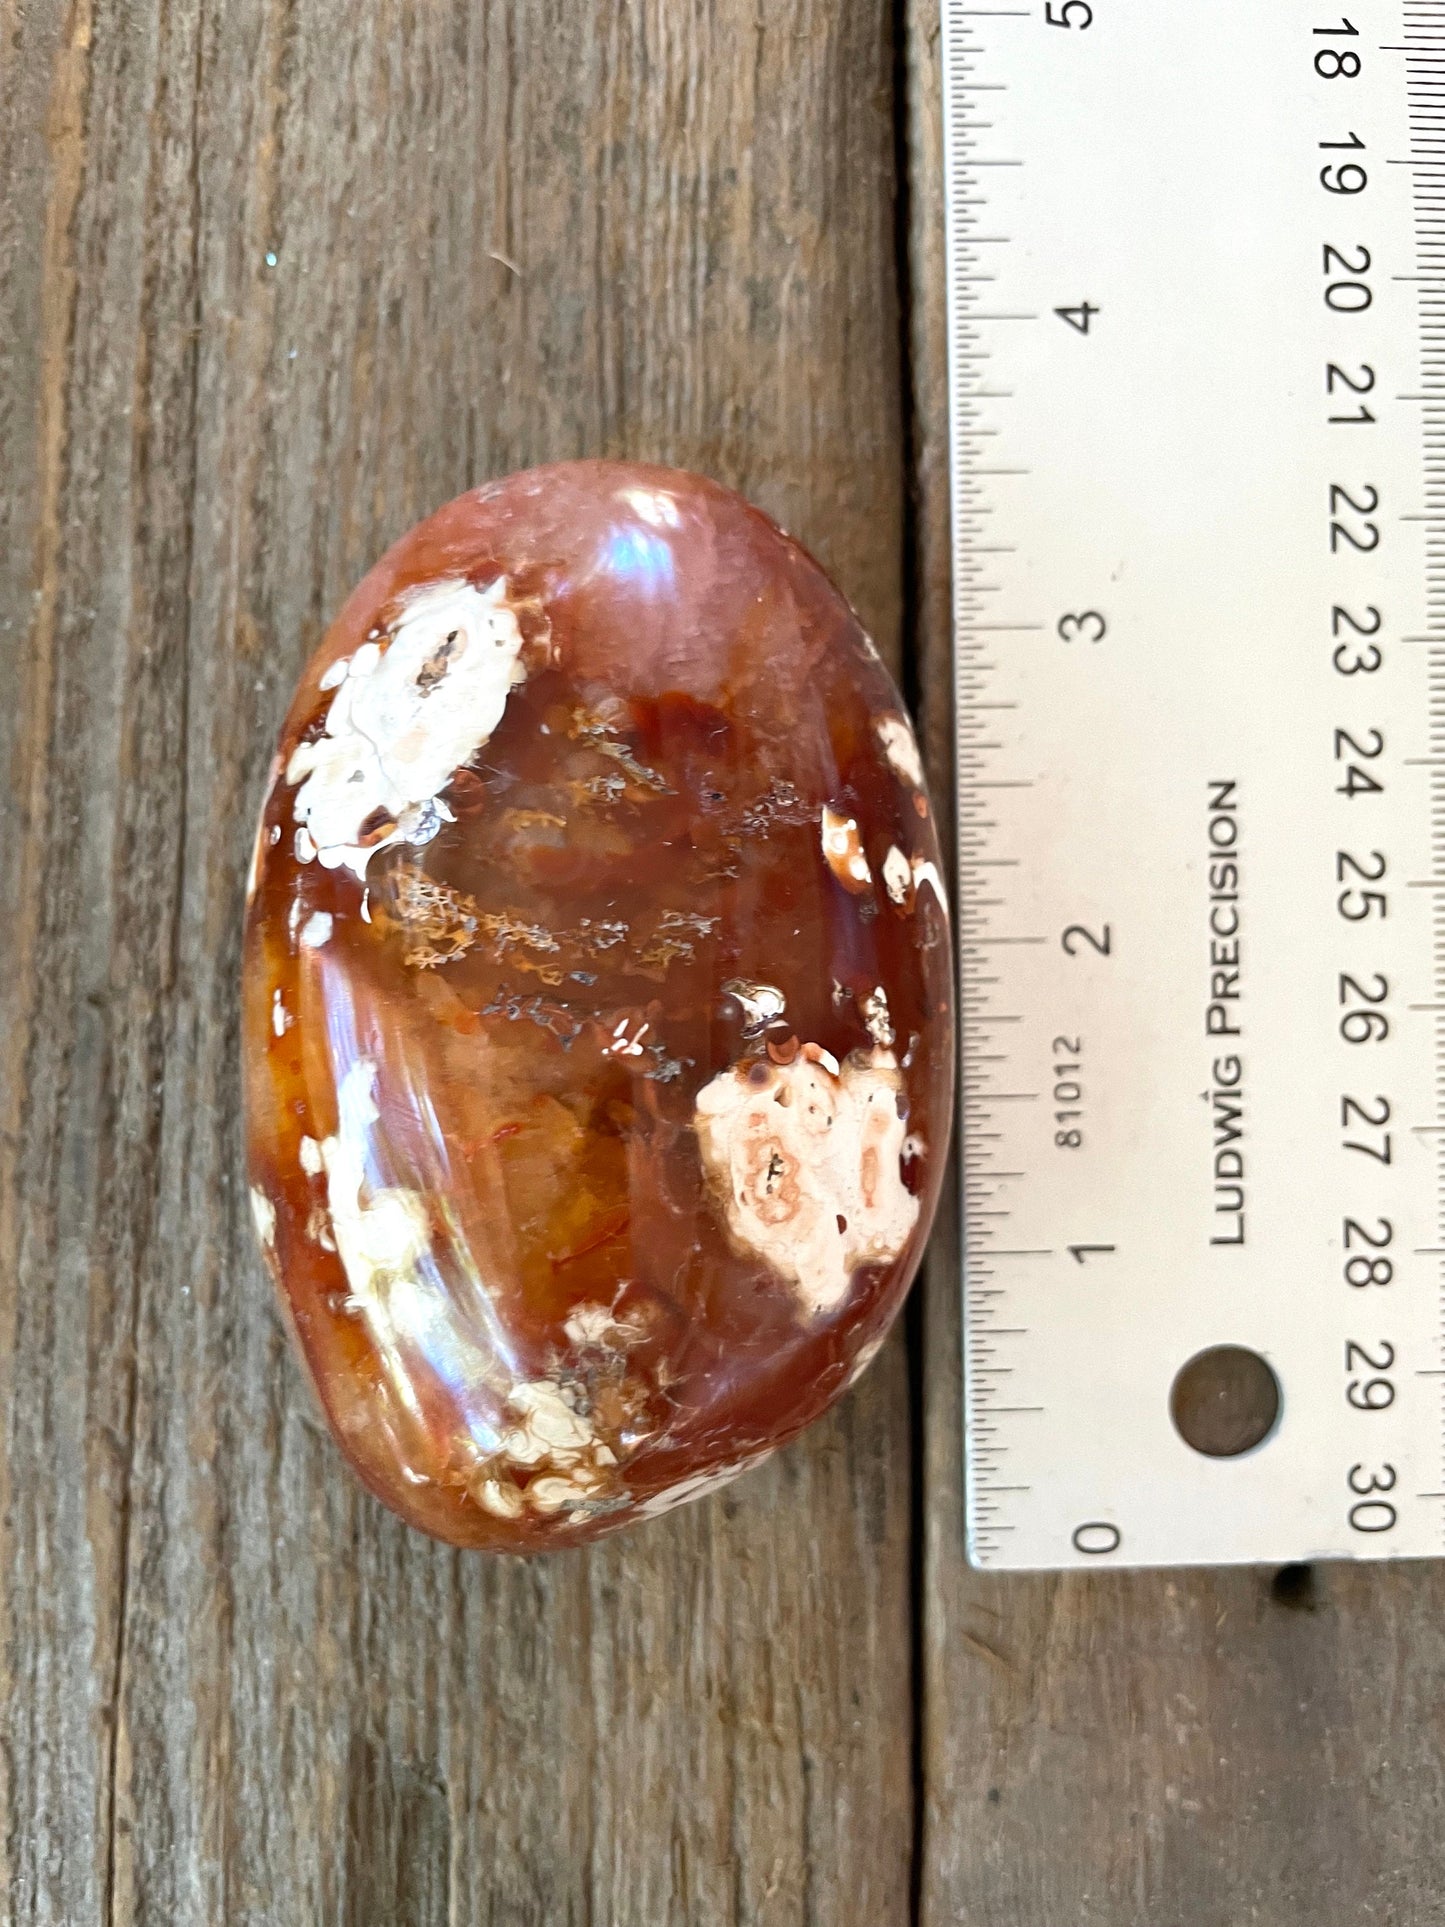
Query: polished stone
<point x="598" y="1007"/>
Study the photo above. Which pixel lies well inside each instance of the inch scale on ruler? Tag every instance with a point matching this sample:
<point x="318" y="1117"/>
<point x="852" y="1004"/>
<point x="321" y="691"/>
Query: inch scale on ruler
<point x="1197" y="331"/>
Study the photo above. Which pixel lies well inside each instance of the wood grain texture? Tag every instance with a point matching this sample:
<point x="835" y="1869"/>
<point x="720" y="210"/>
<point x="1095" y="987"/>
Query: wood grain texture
<point x="1141" y="1749"/>
<point x="277" y="277"/>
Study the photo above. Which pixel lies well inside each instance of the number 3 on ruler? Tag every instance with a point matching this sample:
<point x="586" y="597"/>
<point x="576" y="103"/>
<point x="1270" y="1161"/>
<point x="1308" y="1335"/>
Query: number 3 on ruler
<point x="1090" y="626"/>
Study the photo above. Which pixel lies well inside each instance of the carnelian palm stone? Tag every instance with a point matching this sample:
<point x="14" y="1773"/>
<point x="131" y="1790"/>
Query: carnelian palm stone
<point x="597" y="1005"/>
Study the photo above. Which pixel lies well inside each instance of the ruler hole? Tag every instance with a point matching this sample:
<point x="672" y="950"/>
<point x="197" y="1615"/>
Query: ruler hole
<point x="1294" y="1586"/>
<point x="1225" y="1401"/>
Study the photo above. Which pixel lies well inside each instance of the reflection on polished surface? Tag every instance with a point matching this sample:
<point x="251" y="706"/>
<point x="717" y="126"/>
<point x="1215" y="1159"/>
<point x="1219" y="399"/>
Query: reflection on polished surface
<point x="597" y="1005"/>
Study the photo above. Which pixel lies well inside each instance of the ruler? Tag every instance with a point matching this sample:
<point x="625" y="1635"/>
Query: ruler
<point x="1197" y="331"/>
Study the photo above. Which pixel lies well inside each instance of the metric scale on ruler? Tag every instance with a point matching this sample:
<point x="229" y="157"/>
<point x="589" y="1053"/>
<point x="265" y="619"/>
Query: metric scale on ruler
<point x="1197" y="328"/>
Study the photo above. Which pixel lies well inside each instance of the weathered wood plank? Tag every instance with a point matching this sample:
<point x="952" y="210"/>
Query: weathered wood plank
<point x="235" y="1690"/>
<point x="1149" y="1747"/>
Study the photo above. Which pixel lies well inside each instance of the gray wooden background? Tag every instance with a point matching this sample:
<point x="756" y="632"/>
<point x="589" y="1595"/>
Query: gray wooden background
<point x="276" y="278"/>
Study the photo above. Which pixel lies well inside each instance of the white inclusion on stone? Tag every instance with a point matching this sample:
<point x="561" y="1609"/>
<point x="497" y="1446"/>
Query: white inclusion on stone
<point x="588" y="1325"/>
<point x="316" y="930"/>
<point x="897" y="875"/>
<point x="593" y="1325"/>
<point x="654" y="506"/>
<point x="925" y="872"/>
<point x="304" y="847"/>
<point x="552" y="1439"/>
<point x="877" y="1017"/>
<point x="697" y="1486"/>
<point x="501" y="1498"/>
<point x="804" y="1163"/>
<point x="311" y="1161"/>
<point x="843" y="850"/>
<point x="621" y="1045"/>
<point x="264" y="1213"/>
<point x="761" y="1004"/>
<point x="900" y="746"/>
<point x="547" y="1427"/>
<point x="383" y="1241"/>
<point x="380" y="1241"/>
<point x="279" y="1019"/>
<point x="404" y="720"/>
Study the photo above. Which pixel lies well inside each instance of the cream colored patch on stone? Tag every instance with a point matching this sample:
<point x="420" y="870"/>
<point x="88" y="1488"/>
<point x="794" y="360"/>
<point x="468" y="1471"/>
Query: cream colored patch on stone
<point x="804" y="1163"/>
<point x="311" y="1160"/>
<point x="589" y="1324"/>
<point x="877" y="1017"/>
<point x="843" y="851"/>
<point x="556" y="1442"/>
<point x="900" y="746"/>
<point x="404" y="720"/>
<point x="380" y="1241"/>
<point x="316" y="930"/>
<point x="761" y="1004"/>
<point x="279" y="1018"/>
<point x="548" y="1427"/>
<point x="593" y="1326"/>
<point x="303" y="846"/>
<point x="264" y="1214"/>
<point x="557" y="1492"/>
<point x="897" y="875"/>
<point x="502" y="1499"/>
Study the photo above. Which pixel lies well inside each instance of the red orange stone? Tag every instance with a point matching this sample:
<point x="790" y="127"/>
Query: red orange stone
<point x="597" y="1003"/>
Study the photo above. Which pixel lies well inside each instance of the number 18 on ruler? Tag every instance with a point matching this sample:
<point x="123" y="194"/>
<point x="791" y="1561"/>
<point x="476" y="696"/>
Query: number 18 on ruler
<point x="1196" y="269"/>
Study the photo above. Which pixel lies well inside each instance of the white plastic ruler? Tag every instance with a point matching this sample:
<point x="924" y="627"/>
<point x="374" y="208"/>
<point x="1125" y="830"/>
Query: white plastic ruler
<point x="1197" y="307"/>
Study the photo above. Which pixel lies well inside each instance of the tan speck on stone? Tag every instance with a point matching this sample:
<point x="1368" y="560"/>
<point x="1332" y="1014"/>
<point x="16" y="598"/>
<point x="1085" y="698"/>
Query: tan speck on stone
<point x="897" y="875"/>
<point x="900" y="746"/>
<point x="843" y="851"/>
